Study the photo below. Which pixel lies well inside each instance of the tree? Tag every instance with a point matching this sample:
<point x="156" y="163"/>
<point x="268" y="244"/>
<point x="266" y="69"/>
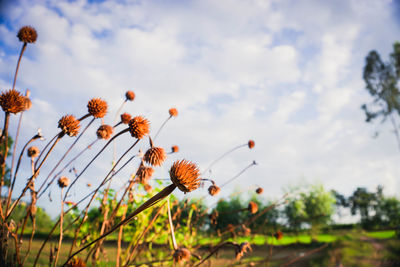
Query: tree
<point x="382" y="83"/>
<point x="366" y="204"/>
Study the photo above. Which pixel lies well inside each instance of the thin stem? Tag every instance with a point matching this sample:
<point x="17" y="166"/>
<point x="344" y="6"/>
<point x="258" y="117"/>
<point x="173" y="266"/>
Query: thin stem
<point x="14" y="152"/>
<point x="396" y="130"/>
<point x="95" y="157"/>
<point x="63" y="157"/>
<point x="61" y="228"/>
<point x="18" y="63"/>
<point x="34" y="175"/>
<point x="152" y="201"/>
<point x="4" y="138"/>
<point x="171" y="226"/>
<point x="118" y="259"/>
<point x="115" y="121"/>
<point x="162" y="126"/>
<point x="222" y="156"/>
<point x="69" y="163"/>
<point x="45" y="148"/>
<point x="240" y="173"/>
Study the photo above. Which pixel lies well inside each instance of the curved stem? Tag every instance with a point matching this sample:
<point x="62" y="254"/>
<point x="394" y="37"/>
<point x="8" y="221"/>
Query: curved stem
<point x="171" y="226"/>
<point x="4" y="140"/>
<point x="63" y="157"/>
<point x="18" y="63"/>
<point x="237" y="175"/>
<point x="61" y="228"/>
<point x="222" y="156"/>
<point x="162" y="126"/>
<point x="115" y="121"/>
<point x="45" y="148"/>
<point x="95" y="157"/>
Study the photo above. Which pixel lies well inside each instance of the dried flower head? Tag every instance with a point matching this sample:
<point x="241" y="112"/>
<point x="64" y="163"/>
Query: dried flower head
<point x="214" y="217"/>
<point x="76" y="262"/>
<point x="125" y="118"/>
<point x="69" y="125"/>
<point x="33" y="152"/>
<point x="63" y="182"/>
<point x="88" y="184"/>
<point x="155" y="156"/>
<point x="278" y="235"/>
<point x="253" y="207"/>
<point x="259" y="190"/>
<point x="104" y="131"/>
<point x="173" y="112"/>
<point x="148" y="188"/>
<point x="12" y="101"/>
<point x="185" y="175"/>
<point x="139" y="127"/>
<point x="241" y="249"/>
<point x="214" y="190"/>
<point x="246" y="230"/>
<point x="27" y="103"/>
<point x="251" y="144"/>
<point x="27" y="34"/>
<point x="143" y="174"/>
<point x="130" y="95"/>
<point x="175" y="149"/>
<point x="97" y="107"/>
<point x="181" y="254"/>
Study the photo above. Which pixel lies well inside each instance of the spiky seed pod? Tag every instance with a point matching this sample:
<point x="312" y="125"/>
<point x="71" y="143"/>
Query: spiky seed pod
<point x="139" y="127"/>
<point x="173" y="112"/>
<point x="143" y="174"/>
<point x="251" y="144"/>
<point x="125" y="118"/>
<point x="76" y="262"/>
<point x="253" y="207"/>
<point x="155" y="156"/>
<point x="104" y="131"/>
<point x="97" y="107"/>
<point x="27" y="34"/>
<point x="69" y="125"/>
<point x="148" y="188"/>
<point x="185" y="175"/>
<point x="33" y="152"/>
<point x="259" y="190"/>
<point x="63" y="182"/>
<point x="214" y="190"/>
<point x="12" y="101"/>
<point x="175" y="149"/>
<point x="130" y="95"/>
<point x="241" y="249"/>
<point x="181" y="255"/>
<point x="278" y="235"/>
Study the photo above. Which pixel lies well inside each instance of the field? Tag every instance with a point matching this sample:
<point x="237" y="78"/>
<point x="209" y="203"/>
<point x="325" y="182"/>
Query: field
<point x="350" y="248"/>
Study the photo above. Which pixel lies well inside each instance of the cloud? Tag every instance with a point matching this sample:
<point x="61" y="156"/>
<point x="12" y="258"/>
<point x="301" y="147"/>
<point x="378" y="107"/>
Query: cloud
<point x="285" y="74"/>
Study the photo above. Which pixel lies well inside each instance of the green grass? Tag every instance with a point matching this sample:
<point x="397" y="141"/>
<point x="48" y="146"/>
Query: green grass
<point x="382" y="234"/>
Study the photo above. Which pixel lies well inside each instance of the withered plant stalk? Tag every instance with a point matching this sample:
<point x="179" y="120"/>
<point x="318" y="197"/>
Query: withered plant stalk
<point x="222" y="156"/>
<point x="61" y="228"/>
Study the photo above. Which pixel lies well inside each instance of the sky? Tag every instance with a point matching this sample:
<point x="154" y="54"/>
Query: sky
<point x="286" y="74"/>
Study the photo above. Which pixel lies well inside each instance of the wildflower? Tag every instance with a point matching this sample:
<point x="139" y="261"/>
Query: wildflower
<point x="33" y="152"/>
<point x="214" y="190"/>
<point x="155" y="156"/>
<point x="253" y="207"/>
<point x="185" y="175"/>
<point x="251" y="144"/>
<point x="76" y="262"/>
<point x="12" y="101"/>
<point x="63" y="182"/>
<point x="241" y="249"/>
<point x="69" y="125"/>
<point x="139" y="127"/>
<point x="173" y="112"/>
<point x="278" y="235"/>
<point x="97" y="107"/>
<point x="175" y="149"/>
<point x="259" y="190"/>
<point x="130" y="95"/>
<point x="181" y="254"/>
<point x="27" y="34"/>
<point x="143" y="174"/>
<point x="105" y="131"/>
<point x="125" y="118"/>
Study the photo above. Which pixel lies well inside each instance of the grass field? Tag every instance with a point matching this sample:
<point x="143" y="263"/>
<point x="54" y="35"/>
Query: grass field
<point x="351" y="248"/>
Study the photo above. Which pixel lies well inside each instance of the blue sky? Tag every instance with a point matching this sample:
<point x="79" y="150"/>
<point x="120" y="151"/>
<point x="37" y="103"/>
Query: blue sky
<point x="287" y="74"/>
